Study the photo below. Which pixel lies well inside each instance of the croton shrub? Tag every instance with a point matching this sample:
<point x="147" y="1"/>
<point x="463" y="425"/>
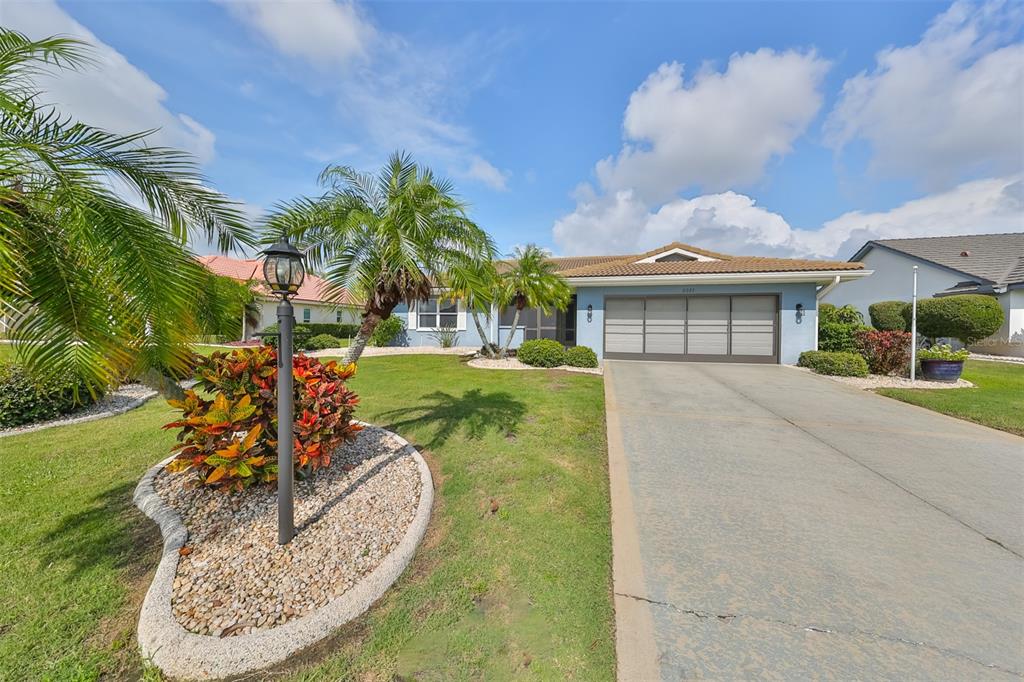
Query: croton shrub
<point x="887" y="352"/>
<point x="229" y="439"/>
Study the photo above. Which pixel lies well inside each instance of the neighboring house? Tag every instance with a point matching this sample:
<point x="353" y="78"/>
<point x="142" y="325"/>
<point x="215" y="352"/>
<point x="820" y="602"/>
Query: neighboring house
<point x="676" y="302"/>
<point x="990" y="264"/>
<point x="311" y="303"/>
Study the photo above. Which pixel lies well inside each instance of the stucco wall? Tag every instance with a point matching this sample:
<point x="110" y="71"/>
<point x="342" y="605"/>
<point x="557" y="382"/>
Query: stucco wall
<point x="1009" y="340"/>
<point x="892" y="280"/>
<point x="318" y="312"/>
<point x="796" y="335"/>
<point x="468" y="335"/>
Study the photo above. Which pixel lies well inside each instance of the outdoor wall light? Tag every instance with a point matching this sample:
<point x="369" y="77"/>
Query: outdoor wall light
<point x="590" y="313"/>
<point x="799" y="313"/>
<point x="283" y="269"/>
<point x="284" y="272"/>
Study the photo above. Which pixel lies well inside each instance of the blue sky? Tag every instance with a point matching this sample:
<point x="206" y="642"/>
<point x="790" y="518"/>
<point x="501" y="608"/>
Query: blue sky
<point x="766" y="128"/>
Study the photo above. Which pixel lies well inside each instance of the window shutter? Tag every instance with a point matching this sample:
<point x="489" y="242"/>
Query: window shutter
<point x="460" y="320"/>
<point x="412" y="316"/>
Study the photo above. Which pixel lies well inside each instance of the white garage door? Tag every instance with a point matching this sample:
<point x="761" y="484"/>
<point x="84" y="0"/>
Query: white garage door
<point x="710" y="328"/>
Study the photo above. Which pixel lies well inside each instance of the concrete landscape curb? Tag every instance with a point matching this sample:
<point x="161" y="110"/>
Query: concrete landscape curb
<point x="185" y="655"/>
<point x="127" y="407"/>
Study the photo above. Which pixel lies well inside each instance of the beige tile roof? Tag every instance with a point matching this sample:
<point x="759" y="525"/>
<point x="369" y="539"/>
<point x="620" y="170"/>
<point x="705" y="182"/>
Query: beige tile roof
<point x="313" y="288"/>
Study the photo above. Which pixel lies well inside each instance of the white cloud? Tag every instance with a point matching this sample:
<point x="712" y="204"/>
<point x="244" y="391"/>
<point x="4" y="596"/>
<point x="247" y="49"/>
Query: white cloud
<point x="482" y="170"/>
<point x="718" y="131"/>
<point x="112" y="93"/>
<point x="946" y="108"/>
<point x="734" y="223"/>
<point x="324" y="32"/>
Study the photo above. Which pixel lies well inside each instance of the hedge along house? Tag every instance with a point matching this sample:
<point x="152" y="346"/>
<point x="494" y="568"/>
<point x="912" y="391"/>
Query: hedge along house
<point x="312" y="305"/>
<point x="676" y="302"/>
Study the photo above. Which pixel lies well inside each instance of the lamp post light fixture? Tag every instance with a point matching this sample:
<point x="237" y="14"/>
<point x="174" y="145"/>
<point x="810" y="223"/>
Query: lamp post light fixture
<point x="283" y="271"/>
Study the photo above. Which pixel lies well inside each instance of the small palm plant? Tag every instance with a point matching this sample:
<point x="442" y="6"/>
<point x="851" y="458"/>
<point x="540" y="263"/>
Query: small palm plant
<point x="96" y="287"/>
<point x="389" y="238"/>
<point x="531" y="282"/>
<point x="479" y="286"/>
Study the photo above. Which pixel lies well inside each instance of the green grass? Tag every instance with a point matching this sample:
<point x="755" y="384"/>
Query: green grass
<point x="6" y="352"/>
<point x="523" y="592"/>
<point x="998" y="400"/>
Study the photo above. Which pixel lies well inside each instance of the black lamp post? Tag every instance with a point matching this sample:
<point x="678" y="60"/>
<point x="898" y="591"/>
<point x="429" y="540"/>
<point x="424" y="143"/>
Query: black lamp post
<point x="283" y="270"/>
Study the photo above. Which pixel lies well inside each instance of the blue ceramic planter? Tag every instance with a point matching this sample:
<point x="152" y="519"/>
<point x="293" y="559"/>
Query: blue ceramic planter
<point x="942" y="370"/>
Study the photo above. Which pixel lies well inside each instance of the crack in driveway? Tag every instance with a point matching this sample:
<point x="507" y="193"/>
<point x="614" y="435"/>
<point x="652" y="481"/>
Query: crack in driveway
<point x="852" y="632"/>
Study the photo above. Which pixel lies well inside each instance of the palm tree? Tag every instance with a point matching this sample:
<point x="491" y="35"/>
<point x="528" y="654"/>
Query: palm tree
<point x="532" y="282"/>
<point x="479" y="287"/>
<point x="389" y="238"/>
<point x="100" y="288"/>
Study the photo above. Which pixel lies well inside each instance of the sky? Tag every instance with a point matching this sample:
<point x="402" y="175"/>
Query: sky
<point x="789" y="129"/>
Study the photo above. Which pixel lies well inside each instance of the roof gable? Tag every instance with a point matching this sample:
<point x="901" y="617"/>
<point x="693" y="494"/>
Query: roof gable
<point x="992" y="258"/>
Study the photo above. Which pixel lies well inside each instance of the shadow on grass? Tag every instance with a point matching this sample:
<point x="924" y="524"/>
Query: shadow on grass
<point x="108" y="531"/>
<point x="474" y="412"/>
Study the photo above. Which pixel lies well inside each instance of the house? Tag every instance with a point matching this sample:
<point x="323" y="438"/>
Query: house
<point x="990" y="264"/>
<point x="676" y="302"/>
<point x="311" y="302"/>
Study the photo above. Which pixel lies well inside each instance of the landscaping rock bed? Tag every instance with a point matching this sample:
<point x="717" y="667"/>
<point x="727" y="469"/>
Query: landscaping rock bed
<point x="227" y="600"/>
<point x="235" y="578"/>
<point x="874" y="381"/>
<point x="515" y="364"/>
<point x="125" y="398"/>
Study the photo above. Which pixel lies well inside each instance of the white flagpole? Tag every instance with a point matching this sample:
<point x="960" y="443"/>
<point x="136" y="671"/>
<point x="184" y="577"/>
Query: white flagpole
<point x="913" y="331"/>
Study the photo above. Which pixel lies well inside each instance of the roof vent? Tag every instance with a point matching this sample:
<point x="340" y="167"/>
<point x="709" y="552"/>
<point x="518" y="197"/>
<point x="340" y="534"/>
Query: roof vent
<point x="965" y="254"/>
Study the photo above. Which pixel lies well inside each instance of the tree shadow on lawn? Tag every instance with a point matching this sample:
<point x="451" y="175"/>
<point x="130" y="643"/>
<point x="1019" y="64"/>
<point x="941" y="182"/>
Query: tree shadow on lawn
<point x="109" y="531"/>
<point x="474" y="411"/>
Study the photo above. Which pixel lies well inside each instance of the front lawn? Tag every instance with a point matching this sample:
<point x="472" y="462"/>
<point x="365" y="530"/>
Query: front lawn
<point x="998" y="400"/>
<point x="521" y="590"/>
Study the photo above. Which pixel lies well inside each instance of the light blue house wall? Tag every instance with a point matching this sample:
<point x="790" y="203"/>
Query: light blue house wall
<point x="796" y="331"/>
<point x="468" y="335"/>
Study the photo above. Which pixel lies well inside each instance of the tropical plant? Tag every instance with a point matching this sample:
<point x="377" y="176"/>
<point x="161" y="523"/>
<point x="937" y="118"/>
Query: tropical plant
<point x="25" y="399"/>
<point x="943" y="351"/>
<point x="98" y="286"/>
<point x="230" y="441"/>
<point x="541" y="353"/>
<point x="531" y="281"/>
<point x="221" y="305"/>
<point x="480" y="287"/>
<point x="967" y="317"/>
<point x="886" y="352"/>
<point x="446" y="337"/>
<point x="390" y="238"/>
<point x="837" y="327"/>
<point x="888" y="316"/>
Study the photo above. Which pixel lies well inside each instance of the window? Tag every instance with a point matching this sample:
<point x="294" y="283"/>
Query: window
<point x="337" y="316"/>
<point x="306" y="314"/>
<point x="436" y="313"/>
<point x="535" y="324"/>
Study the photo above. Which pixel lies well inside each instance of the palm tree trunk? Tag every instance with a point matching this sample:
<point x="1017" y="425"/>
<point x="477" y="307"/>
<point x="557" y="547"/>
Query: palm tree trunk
<point x="483" y="336"/>
<point x="355" y="350"/>
<point x="511" y="333"/>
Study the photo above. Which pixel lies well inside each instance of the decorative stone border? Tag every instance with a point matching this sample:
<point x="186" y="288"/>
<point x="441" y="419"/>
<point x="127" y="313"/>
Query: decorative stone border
<point x="513" y="365"/>
<point x="185" y="655"/>
<point x="131" y="404"/>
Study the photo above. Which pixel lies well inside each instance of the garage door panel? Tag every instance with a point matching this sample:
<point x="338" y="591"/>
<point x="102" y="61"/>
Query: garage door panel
<point x="665" y="326"/>
<point x="708" y="325"/>
<point x="753" y="325"/>
<point x="624" y="325"/>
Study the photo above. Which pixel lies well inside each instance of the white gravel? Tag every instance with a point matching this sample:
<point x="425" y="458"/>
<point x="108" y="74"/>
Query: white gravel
<point x="374" y="351"/>
<point x="515" y="364"/>
<point x="235" y="579"/>
<point x="127" y="397"/>
<point x="873" y="381"/>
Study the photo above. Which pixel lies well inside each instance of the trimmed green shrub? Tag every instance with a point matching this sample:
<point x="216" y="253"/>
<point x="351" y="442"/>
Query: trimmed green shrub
<point x="322" y="341"/>
<point x="834" y="364"/>
<point x="888" y="316"/>
<point x="387" y="330"/>
<point x="886" y="352"/>
<point x="541" y="353"/>
<point x="26" y="400"/>
<point x="301" y="333"/>
<point x="967" y="317"/>
<point x="580" y="356"/>
<point x="848" y="314"/>
<point x="341" y="331"/>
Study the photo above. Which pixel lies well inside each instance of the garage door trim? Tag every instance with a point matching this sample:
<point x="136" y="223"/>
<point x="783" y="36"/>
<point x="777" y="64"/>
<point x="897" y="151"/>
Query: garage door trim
<point x="687" y="357"/>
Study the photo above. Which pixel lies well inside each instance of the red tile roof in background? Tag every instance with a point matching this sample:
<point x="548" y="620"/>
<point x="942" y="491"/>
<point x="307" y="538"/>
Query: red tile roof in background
<point x="251" y="270"/>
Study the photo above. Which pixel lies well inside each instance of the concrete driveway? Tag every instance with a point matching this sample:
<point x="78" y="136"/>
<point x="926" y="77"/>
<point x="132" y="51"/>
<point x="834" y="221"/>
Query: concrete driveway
<point x="770" y="523"/>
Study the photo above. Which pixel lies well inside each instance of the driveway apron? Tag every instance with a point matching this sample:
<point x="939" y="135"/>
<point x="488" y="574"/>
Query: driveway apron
<point x="787" y="526"/>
